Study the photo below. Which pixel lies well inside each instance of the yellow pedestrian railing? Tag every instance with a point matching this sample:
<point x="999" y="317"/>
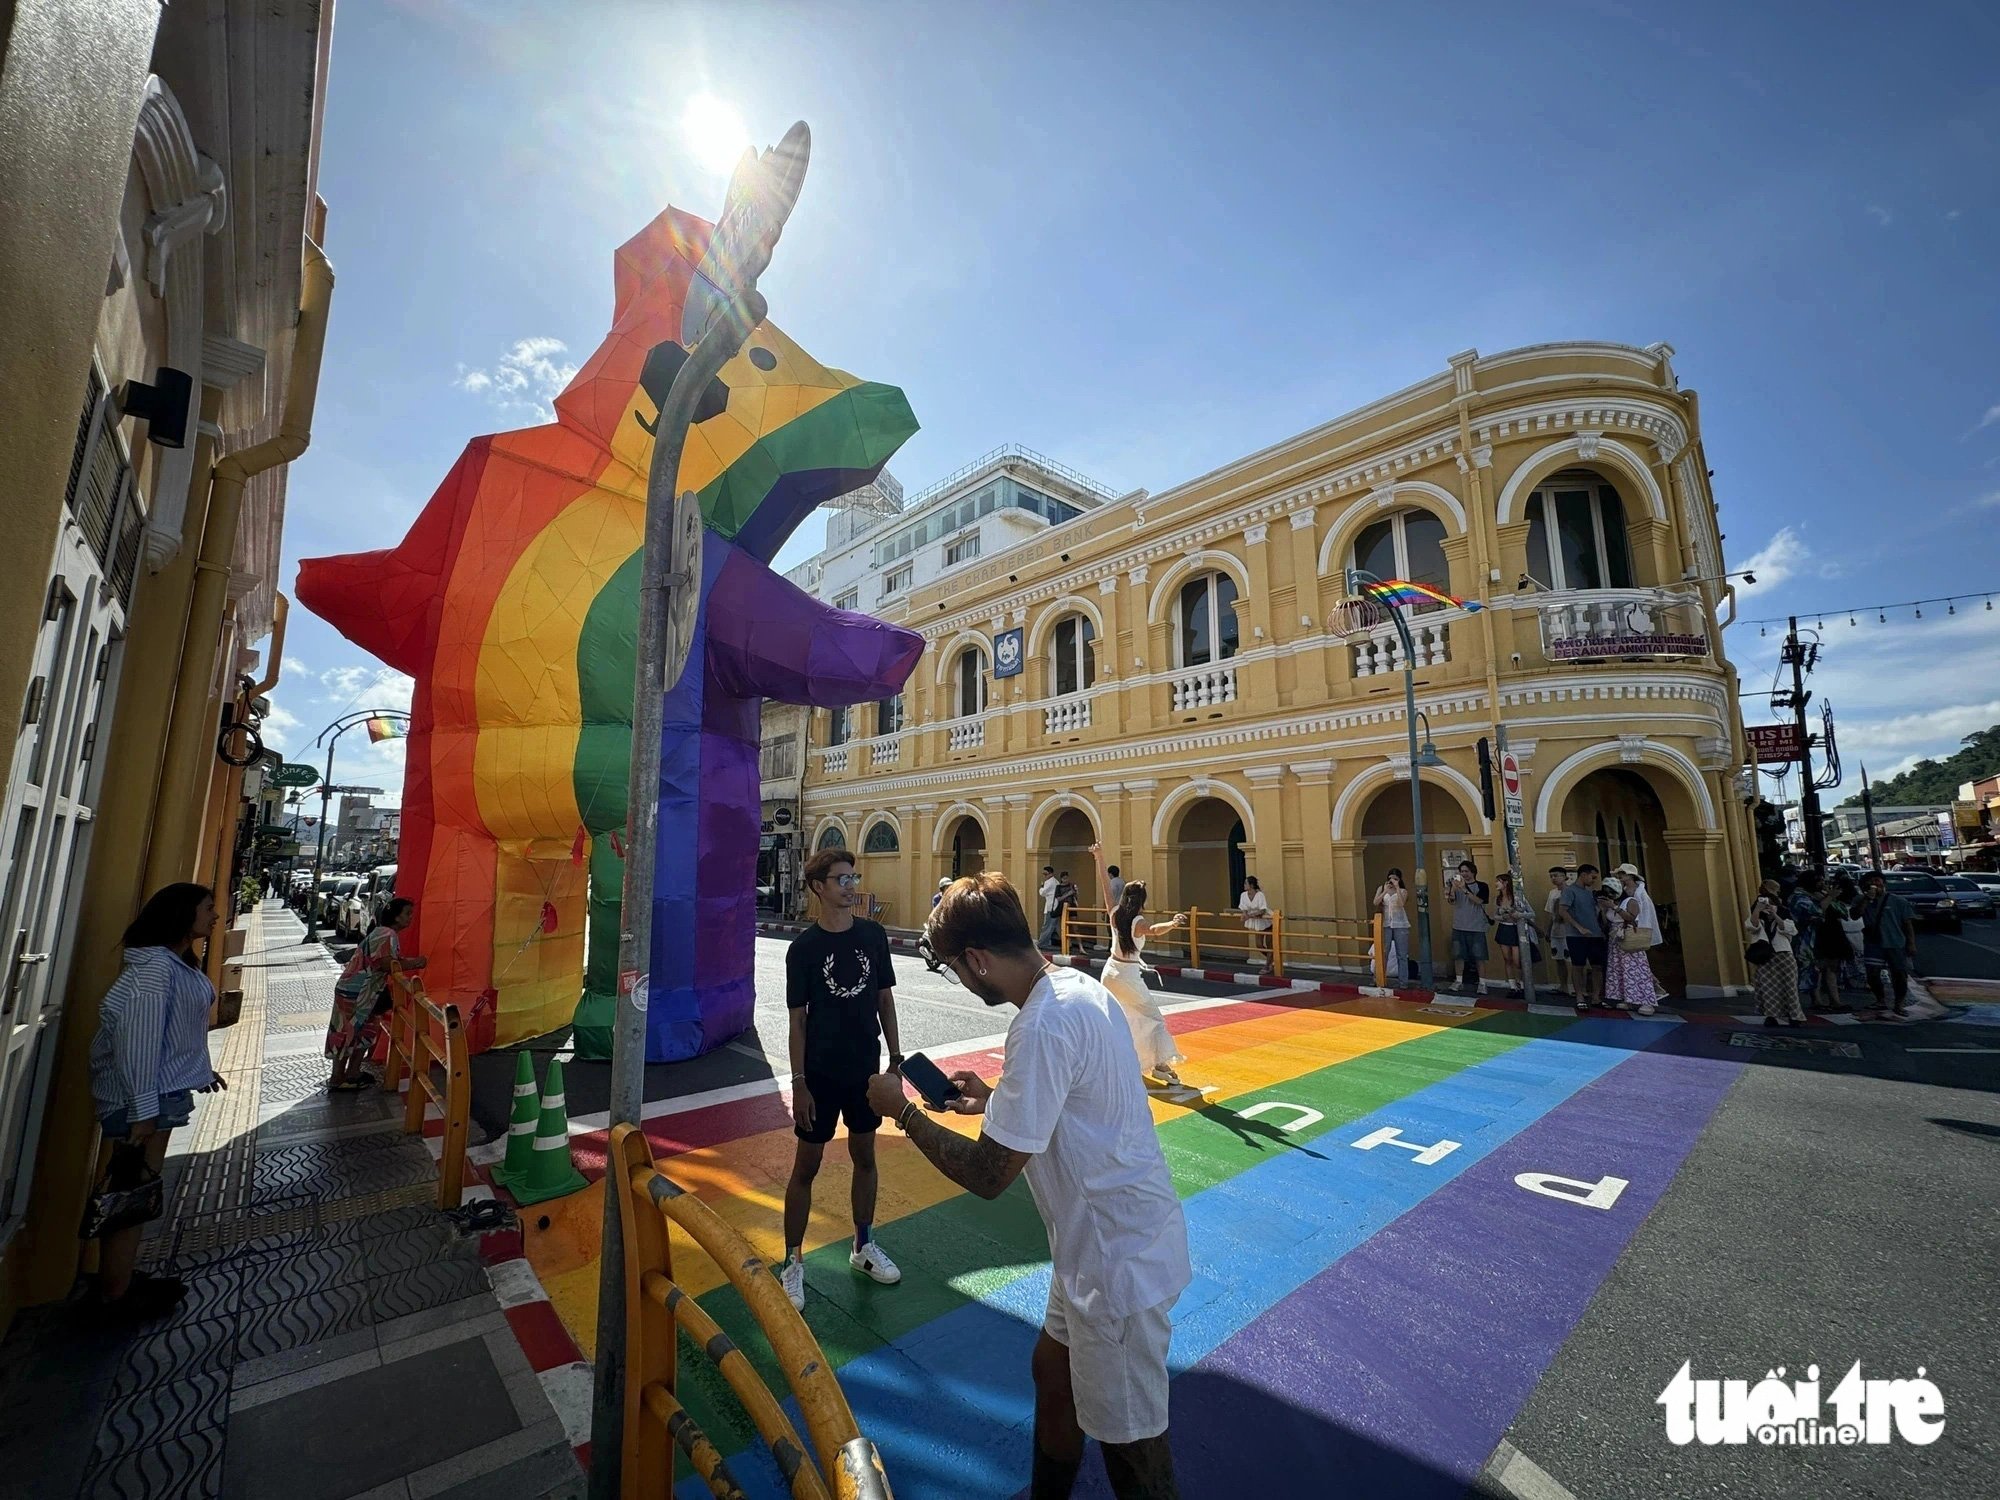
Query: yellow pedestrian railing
<point x="427" y="1047"/>
<point x="1345" y="943"/>
<point x="656" y="1424"/>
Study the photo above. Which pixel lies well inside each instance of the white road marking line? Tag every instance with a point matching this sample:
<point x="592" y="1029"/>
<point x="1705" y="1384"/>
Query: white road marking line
<point x="1959" y="1050"/>
<point x="1514" y="1473"/>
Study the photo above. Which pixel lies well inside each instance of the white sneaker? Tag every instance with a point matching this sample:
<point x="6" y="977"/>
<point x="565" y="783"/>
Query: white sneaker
<point x="793" y="1279"/>
<point x="873" y="1259"/>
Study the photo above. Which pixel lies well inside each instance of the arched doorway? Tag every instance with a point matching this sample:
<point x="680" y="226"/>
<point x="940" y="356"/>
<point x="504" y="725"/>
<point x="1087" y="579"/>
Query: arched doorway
<point x="1387" y="843"/>
<point x="1208" y="850"/>
<point x="1614" y="816"/>
<point x="1066" y="845"/>
<point x="965" y="848"/>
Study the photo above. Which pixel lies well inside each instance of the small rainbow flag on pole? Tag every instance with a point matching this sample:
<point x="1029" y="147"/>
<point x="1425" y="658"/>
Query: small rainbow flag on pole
<point x="1403" y="591"/>
<point x="380" y="729"/>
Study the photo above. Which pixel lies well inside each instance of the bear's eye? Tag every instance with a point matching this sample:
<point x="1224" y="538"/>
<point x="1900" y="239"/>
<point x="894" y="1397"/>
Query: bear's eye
<point x="763" y="359"/>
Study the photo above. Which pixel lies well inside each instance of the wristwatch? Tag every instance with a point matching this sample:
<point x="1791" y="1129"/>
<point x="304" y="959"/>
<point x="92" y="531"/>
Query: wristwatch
<point x="895" y="1061"/>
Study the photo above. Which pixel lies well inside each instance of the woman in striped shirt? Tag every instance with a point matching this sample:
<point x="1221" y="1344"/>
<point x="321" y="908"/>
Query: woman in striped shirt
<point x="149" y="1059"/>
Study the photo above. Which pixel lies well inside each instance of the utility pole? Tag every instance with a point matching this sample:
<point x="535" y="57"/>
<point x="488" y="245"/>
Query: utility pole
<point x="1868" y="812"/>
<point x="1801" y="658"/>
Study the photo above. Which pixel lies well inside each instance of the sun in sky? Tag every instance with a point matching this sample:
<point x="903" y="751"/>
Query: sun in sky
<point x="714" y="132"/>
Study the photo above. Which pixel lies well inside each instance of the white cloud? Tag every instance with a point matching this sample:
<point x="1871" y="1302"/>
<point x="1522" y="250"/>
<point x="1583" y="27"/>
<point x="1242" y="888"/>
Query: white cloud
<point x="1992" y="416"/>
<point x="1778" y="559"/>
<point x="1951" y="215"/>
<point x="1881" y="215"/>
<point x="280" y="723"/>
<point x="294" y="667"/>
<point x="1902" y="691"/>
<point x="528" y="377"/>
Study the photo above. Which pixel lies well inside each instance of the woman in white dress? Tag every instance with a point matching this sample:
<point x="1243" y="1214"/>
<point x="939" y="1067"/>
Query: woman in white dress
<point x="1125" y="976"/>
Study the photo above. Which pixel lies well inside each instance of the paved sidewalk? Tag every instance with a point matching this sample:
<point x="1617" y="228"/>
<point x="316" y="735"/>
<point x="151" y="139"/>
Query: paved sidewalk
<point x="340" y="1337"/>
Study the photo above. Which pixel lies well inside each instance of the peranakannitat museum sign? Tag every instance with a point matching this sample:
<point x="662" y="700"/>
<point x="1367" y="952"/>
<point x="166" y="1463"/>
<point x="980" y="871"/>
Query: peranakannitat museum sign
<point x="1626" y="644"/>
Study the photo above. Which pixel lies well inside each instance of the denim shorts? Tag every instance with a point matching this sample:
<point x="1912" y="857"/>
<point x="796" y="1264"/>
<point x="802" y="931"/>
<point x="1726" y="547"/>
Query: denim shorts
<point x="1469" y="947"/>
<point x="176" y="1108"/>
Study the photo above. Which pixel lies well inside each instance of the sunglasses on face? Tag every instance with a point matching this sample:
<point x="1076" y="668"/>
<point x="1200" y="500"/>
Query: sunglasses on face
<point x="935" y="964"/>
<point x="847" y="882"/>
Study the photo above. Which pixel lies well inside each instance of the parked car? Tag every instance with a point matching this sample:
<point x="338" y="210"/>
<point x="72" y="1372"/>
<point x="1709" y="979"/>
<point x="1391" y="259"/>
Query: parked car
<point x="1973" y="899"/>
<point x="358" y="911"/>
<point x="333" y="895"/>
<point x="1987" y="880"/>
<point x="1935" y="906"/>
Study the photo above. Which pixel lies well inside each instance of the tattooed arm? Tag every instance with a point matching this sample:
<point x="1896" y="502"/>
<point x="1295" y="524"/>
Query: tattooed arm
<point x="981" y="1165"/>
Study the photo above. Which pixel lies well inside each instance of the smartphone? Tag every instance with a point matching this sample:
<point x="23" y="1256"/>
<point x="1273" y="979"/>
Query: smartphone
<point x="937" y="1089"/>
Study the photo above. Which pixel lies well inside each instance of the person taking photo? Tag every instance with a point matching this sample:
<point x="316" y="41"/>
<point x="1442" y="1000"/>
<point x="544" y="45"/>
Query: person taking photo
<point x="840" y="988"/>
<point x="1070" y="1114"/>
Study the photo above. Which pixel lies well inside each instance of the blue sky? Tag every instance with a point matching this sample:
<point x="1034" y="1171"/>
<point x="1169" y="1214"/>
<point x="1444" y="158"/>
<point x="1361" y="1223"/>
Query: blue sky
<point x="1149" y="238"/>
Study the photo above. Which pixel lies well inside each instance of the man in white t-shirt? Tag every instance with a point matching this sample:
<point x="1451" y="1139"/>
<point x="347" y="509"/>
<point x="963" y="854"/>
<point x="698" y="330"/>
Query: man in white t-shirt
<point x="1070" y="1113"/>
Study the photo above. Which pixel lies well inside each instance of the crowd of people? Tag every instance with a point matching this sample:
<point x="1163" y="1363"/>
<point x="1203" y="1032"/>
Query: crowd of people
<point x="1811" y="937"/>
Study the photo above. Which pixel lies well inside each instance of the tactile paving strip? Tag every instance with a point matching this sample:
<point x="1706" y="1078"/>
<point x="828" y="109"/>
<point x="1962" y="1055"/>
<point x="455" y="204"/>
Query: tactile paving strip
<point x="283" y="1247"/>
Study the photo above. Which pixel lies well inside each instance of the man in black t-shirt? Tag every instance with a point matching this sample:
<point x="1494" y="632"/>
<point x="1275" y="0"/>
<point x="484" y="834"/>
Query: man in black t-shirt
<point x="839" y="985"/>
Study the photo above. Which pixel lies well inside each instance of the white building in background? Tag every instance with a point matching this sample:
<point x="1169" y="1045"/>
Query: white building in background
<point x="880" y="547"/>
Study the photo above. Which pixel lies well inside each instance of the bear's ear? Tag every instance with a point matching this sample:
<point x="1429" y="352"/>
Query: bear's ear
<point x="657" y="263"/>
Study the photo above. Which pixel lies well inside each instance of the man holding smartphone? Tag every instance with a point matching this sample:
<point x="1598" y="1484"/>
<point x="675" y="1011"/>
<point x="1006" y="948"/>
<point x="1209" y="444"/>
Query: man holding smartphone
<point x="840" y="988"/>
<point x="1070" y="1113"/>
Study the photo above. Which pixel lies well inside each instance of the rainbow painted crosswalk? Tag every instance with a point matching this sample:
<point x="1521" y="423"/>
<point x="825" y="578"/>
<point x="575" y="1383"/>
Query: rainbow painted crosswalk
<point x="1396" y="1217"/>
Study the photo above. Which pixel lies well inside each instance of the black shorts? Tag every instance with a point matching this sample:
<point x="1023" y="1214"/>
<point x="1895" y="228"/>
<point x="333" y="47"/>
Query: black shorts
<point x="837" y="1099"/>
<point x="1588" y="951"/>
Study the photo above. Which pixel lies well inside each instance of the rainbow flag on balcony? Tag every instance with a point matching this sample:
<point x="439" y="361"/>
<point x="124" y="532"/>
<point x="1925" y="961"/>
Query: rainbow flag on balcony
<point x="380" y="729"/>
<point x="1403" y="591"/>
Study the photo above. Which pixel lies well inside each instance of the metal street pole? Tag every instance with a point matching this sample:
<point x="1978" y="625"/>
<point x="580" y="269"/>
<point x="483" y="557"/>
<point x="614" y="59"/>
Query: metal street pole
<point x="760" y="199"/>
<point x="1868" y="812"/>
<point x="1527" y="949"/>
<point x="1360" y="582"/>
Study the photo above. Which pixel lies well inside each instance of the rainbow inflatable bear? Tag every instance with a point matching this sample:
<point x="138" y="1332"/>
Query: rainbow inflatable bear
<point x="512" y="602"/>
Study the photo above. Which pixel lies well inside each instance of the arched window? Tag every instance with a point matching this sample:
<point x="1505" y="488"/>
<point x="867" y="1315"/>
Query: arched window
<point x="889" y="715"/>
<point x="1603" y="845"/>
<point x="880" y="839"/>
<point x="1589" y="549"/>
<point x="831" y="837"/>
<point x="1205" y="620"/>
<point x="839" y="725"/>
<point x="1075" y="656"/>
<point x="1624" y="848"/>
<point x="1409" y="544"/>
<point x="969" y="682"/>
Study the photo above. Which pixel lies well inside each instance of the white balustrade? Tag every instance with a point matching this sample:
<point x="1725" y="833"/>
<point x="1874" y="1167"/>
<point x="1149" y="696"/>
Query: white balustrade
<point x="967" y="734"/>
<point x="885" y="752"/>
<point x="834" y="759"/>
<point x="1592" y="623"/>
<point x="1066" y="715"/>
<point x="1381" y="650"/>
<point x="1204" y="687"/>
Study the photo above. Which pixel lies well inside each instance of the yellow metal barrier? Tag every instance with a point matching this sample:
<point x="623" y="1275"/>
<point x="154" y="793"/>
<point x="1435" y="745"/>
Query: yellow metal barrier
<point x="1294" y="941"/>
<point x="1330" y="943"/>
<point x="425" y="1040"/>
<point x="656" y="1307"/>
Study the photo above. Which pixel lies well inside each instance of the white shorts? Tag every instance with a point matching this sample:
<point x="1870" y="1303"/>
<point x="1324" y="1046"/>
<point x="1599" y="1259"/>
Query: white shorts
<point x="1117" y="1368"/>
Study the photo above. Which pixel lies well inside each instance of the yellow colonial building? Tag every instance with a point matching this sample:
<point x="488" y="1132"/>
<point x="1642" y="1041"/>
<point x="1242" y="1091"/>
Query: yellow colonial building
<point x="1160" y="674"/>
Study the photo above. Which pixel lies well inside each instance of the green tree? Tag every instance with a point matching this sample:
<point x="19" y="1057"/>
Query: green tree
<point x="1936" y="782"/>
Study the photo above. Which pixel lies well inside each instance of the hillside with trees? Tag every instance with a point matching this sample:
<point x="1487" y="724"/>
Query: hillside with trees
<point x="1937" y="781"/>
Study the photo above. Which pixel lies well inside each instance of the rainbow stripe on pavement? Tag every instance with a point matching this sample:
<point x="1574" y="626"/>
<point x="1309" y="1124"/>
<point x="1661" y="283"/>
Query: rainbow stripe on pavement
<point x="1358" y="1309"/>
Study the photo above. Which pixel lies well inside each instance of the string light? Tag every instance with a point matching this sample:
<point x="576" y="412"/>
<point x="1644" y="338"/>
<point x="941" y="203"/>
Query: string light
<point x="1880" y="611"/>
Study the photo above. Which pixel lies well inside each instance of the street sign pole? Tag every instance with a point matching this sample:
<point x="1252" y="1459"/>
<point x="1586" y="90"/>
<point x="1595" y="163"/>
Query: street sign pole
<point x="1510" y="786"/>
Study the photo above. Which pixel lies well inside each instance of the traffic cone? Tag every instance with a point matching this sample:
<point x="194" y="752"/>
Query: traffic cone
<point x="550" y="1172"/>
<point x="521" y="1128"/>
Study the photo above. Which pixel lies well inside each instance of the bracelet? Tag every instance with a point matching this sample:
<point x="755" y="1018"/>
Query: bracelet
<point x="903" y="1119"/>
<point x="895" y="1061"/>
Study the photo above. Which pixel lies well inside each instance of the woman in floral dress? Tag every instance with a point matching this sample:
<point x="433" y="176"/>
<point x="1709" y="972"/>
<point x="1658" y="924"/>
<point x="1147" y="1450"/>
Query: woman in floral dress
<point x="361" y="995"/>
<point x="1628" y="976"/>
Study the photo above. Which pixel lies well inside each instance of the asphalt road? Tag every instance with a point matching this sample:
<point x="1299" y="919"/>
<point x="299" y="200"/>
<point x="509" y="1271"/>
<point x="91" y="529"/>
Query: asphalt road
<point x="1836" y="1209"/>
<point x="1971" y="953"/>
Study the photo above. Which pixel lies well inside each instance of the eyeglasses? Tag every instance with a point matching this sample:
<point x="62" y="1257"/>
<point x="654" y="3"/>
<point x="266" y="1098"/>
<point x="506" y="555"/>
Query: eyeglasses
<point x="935" y="964"/>
<point x="847" y="882"/>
